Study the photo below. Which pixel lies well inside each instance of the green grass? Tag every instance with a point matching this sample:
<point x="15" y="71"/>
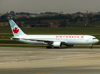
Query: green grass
<point x="10" y="42"/>
<point x="21" y="45"/>
<point x="91" y="31"/>
<point x="5" y="36"/>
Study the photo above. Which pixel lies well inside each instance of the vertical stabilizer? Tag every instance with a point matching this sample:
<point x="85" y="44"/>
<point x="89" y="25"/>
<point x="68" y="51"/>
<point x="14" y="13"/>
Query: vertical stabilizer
<point x="15" y="29"/>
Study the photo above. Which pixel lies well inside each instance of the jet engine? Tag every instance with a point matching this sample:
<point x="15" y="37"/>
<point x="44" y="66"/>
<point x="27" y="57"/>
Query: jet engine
<point x="57" y="44"/>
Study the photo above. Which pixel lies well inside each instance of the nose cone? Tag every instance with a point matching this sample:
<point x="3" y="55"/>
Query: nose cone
<point x="96" y="41"/>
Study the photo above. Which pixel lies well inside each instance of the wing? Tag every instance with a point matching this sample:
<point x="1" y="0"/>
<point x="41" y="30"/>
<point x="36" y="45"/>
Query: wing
<point x="48" y="41"/>
<point x="42" y="40"/>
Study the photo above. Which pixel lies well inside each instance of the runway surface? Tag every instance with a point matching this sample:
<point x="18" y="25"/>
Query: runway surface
<point x="26" y="60"/>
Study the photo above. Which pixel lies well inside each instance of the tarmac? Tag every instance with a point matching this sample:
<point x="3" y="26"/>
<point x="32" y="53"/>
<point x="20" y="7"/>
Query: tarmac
<point x="39" y="60"/>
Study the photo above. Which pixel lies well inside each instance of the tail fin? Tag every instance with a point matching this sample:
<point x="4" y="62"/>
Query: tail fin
<point x="15" y="29"/>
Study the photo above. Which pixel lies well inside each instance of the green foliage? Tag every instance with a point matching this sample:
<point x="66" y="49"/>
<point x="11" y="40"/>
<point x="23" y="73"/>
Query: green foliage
<point x="68" y="20"/>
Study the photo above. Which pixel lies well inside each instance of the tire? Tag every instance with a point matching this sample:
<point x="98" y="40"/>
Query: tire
<point x="49" y="47"/>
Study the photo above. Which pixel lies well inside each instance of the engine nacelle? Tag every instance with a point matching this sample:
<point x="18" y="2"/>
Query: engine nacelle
<point x="57" y="44"/>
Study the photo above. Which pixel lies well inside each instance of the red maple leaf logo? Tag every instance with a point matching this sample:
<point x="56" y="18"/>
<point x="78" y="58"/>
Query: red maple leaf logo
<point x="15" y="30"/>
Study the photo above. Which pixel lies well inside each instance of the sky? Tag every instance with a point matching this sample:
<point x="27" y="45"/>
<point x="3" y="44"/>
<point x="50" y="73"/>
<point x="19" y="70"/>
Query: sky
<point x="37" y="6"/>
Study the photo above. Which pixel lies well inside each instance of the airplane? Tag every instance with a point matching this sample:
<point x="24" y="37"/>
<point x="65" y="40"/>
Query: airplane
<point x="55" y="41"/>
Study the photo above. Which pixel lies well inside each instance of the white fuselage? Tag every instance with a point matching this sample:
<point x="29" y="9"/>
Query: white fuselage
<point x="67" y="39"/>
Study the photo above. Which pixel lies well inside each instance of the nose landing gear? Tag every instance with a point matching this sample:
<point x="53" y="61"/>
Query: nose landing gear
<point x="91" y="46"/>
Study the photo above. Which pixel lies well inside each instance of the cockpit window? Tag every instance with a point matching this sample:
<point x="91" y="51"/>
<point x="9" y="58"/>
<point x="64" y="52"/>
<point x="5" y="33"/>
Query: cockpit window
<point x="94" y="38"/>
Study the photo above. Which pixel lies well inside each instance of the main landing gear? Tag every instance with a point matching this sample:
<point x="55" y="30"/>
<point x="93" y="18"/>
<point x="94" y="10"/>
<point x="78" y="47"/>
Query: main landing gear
<point x="49" y="47"/>
<point x="69" y="46"/>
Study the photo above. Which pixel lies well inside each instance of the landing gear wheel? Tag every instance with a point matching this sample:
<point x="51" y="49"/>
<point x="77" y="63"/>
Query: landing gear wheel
<point x="49" y="47"/>
<point x="56" y="47"/>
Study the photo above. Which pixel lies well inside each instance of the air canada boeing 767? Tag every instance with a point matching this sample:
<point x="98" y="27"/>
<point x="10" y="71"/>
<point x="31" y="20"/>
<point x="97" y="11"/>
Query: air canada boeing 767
<point x="55" y="41"/>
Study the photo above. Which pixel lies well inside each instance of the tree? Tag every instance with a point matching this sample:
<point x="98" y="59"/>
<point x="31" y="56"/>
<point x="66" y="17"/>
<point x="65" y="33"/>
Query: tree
<point x="62" y="23"/>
